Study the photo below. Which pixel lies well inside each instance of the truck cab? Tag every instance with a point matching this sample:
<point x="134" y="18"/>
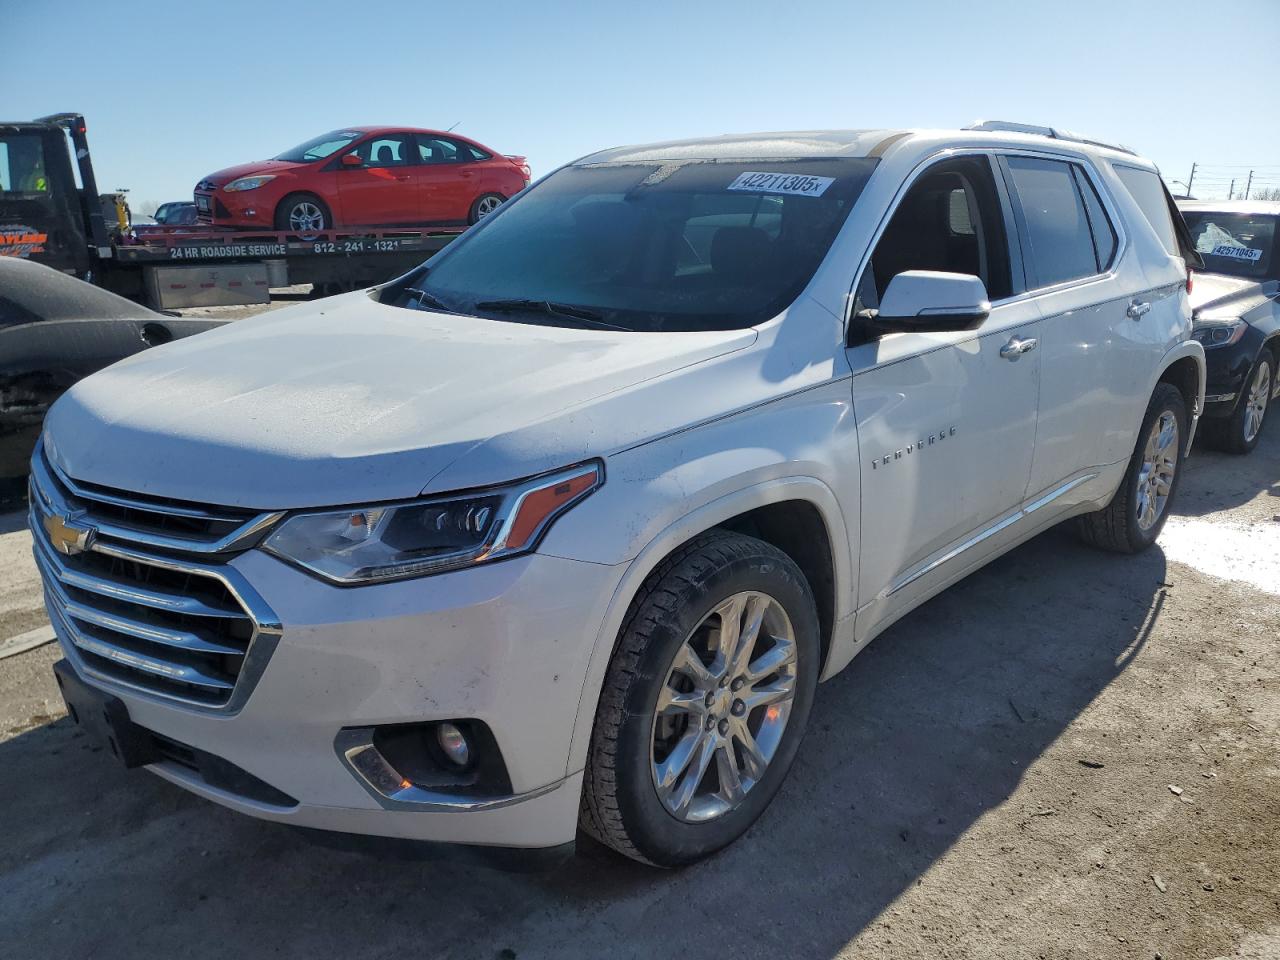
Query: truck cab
<point x="47" y="213"/>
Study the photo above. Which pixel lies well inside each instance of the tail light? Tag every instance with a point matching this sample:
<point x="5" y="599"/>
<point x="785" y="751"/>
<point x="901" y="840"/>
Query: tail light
<point x="1191" y="277"/>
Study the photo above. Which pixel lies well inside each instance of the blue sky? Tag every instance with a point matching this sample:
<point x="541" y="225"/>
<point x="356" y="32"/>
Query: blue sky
<point x="173" y="91"/>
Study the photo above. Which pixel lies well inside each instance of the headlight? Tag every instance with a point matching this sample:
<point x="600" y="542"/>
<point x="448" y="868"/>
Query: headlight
<point x="1219" y="333"/>
<point x="248" y="183"/>
<point x="392" y="541"/>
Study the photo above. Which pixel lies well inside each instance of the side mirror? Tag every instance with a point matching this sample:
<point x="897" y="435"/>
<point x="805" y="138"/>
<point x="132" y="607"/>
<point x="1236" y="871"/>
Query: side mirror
<point x="351" y="160"/>
<point x="930" y="301"/>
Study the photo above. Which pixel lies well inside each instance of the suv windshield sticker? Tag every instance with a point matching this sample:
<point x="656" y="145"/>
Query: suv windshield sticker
<point x="798" y="184"/>
<point x="1235" y="252"/>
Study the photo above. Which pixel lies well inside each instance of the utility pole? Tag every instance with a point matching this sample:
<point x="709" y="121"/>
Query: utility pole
<point x="1231" y="194"/>
<point x="1190" y="180"/>
<point x="1248" y="185"/>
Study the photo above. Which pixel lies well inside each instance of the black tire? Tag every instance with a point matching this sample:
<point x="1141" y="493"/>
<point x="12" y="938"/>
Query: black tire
<point x="620" y="802"/>
<point x="1116" y="527"/>
<point x="1231" y="434"/>
<point x="286" y="207"/>
<point x="480" y="209"/>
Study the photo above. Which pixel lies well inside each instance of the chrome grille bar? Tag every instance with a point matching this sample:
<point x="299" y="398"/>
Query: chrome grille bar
<point x="180" y="673"/>
<point x="55" y="568"/>
<point x="179" y="639"/>
<point x="61" y="495"/>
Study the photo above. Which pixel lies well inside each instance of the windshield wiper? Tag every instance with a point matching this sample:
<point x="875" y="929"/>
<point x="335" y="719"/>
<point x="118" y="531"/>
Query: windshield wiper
<point x="429" y="300"/>
<point x="582" y="315"/>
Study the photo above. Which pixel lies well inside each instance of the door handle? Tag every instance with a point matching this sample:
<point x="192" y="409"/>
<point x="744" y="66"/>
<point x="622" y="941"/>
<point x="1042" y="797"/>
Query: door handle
<point x="1016" y="347"/>
<point x="1137" y="309"/>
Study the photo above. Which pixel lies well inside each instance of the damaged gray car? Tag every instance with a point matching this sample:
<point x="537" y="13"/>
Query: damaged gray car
<point x="55" y="329"/>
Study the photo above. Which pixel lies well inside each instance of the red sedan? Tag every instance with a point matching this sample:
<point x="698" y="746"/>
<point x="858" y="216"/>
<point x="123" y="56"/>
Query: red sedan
<point x="364" y="176"/>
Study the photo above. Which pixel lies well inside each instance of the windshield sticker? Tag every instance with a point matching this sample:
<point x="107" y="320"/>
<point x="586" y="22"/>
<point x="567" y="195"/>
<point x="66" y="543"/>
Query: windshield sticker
<point x="1236" y="253"/>
<point x="796" y="184"/>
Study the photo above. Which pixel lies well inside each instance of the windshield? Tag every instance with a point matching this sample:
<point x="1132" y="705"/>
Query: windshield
<point x="322" y="146"/>
<point x="664" y="245"/>
<point x="1239" y="244"/>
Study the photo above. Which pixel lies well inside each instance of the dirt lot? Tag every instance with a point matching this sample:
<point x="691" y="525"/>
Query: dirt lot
<point x="993" y="778"/>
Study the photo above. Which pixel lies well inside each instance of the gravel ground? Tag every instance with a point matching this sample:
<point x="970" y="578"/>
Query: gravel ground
<point x="995" y="777"/>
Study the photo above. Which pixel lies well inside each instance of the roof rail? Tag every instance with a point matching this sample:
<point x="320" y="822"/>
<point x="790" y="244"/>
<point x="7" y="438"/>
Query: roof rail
<point x="1057" y="133"/>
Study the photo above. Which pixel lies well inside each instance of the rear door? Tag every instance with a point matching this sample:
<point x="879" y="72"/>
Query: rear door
<point x="384" y="189"/>
<point x="449" y="177"/>
<point x="1096" y="357"/>
<point x="946" y="421"/>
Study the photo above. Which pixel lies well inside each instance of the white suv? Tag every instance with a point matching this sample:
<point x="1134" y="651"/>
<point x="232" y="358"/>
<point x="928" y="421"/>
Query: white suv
<point x="564" y="527"/>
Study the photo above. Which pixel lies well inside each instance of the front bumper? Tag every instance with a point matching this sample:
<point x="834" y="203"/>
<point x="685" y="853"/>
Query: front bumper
<point x="1227" y="371"/>
<point x="246" y="208"/>
<point x="506" y="644"/>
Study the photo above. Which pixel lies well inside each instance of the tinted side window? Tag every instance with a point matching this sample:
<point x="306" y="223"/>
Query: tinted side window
<point x="22" y="164"/>
<point x="440" y="150"/>
<point x="1104" y="234"/>
<point x="1056" y="225"/>
<point x="1146" y="188"/>
<point x="389" y="151"/>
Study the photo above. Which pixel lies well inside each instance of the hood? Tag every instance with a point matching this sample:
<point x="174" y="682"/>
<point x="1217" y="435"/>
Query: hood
<point x="226" y="175"/>
<point x="347" y="400"/>
<point x="1217" y="294"/>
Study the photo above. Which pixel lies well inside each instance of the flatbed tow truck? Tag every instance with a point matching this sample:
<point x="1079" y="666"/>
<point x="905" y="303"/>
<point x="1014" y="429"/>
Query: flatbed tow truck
<point x="51" y="212"/>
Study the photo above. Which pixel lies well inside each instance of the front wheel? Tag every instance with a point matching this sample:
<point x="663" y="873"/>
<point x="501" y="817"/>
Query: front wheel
<point x="1239" y="433"/>
<point x="304" y="214"/>
<point x="705" y="701"/>
<point x="485" y="205"/>
<point x="1136" y="514"/>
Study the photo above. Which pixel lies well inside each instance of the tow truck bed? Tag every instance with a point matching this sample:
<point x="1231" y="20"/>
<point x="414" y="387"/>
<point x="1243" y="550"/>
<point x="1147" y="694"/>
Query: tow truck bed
<point x="194" y="266"/>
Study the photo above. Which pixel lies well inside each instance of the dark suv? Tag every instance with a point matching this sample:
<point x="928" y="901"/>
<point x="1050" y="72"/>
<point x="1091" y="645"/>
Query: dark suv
<point x="1237" y="315"/>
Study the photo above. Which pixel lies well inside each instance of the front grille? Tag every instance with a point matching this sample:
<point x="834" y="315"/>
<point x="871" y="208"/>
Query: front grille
<point x="147" y="599"/>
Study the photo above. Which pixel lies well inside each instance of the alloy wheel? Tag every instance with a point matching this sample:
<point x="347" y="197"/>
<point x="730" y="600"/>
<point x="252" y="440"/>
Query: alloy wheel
<point x="306" y="216"/>
<point x="722" y="710"/>
<point x="486" y="206"/>
<point x="1256" y="402"/>
<point x="1159" y="464"/>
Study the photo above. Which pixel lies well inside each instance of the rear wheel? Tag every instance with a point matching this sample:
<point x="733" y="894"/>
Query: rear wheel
<point x="485" y="205"/>
<point x="1239" y="432"/>
<point x="304" y="214"/>
<point x="1136" y="514"/>
<point x="704" y="703"/>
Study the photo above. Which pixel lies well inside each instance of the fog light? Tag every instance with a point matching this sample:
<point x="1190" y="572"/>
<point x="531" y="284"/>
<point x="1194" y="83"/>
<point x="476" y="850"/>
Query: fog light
<point x="453" y="743"/>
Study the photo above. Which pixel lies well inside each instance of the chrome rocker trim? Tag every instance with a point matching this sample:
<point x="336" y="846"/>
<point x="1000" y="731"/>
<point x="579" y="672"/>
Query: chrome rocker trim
<point x="983" y="535"/>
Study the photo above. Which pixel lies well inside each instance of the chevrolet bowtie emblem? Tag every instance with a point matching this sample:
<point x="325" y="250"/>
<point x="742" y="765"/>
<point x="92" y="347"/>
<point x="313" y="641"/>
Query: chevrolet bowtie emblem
<point x="66" y="535"/>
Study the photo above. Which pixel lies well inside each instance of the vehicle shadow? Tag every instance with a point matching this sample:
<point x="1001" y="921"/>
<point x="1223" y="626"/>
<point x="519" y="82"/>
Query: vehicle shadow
<point x="1219" y="481"/>
<point x="931" y="728"/>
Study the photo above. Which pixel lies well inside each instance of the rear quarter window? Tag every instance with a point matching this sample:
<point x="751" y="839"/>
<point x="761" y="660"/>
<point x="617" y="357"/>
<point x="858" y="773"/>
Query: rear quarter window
<point x="1145" y="188"/>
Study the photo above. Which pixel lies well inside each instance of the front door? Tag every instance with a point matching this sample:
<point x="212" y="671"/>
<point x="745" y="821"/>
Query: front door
<point x="383" y="190"/>
<point x="946" y="422"/>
